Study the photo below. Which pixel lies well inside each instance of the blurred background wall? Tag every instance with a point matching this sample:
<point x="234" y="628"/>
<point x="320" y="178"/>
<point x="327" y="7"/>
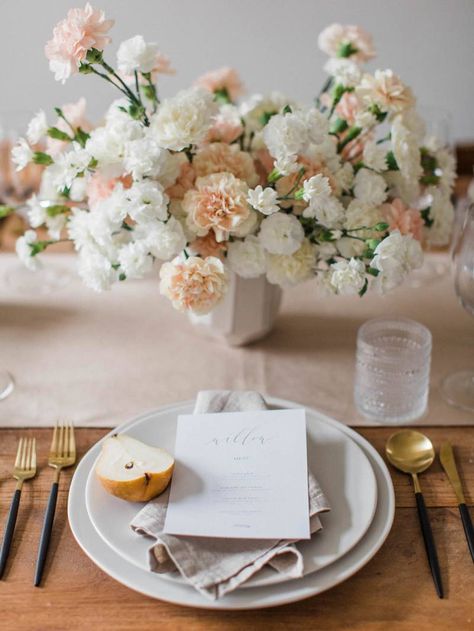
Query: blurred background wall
<point x="272" y="43"/>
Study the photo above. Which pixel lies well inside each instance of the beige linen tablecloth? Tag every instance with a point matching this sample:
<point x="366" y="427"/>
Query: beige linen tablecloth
<point x="100" y="359"/>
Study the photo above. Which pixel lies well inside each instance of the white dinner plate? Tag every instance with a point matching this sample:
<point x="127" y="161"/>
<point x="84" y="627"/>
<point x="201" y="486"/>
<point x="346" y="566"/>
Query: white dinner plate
<point x="152" y="585"/>
<point x="339" y="464"/>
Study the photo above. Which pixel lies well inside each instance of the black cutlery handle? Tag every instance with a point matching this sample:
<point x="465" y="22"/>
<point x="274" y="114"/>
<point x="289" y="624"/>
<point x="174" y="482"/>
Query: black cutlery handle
<point x="46" y="534"/>
<point x="468" y="528"/>
<point x="429" y="543"/>
<point x="9" y="530"/>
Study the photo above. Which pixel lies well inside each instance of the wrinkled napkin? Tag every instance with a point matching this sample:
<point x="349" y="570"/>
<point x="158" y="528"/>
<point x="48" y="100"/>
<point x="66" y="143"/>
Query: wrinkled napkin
<point x="217" y="566"/>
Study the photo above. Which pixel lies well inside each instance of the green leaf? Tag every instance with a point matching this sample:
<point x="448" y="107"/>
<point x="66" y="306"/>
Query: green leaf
<point x="56" y="209"/>
<point x="391" y="161"/>
<point x="364" y="288"/>
<point x="5" y="211"/>
<point x="373" y="243"/>
<point x="274" y="175"/>
<point x="425" y="215"/>
<point x="372" y="271"/>
<point x="338" y="126"/>
<point x="38" y="246"/>
<point x="57" y="134"/>
<point x="81" y="136"/>
<point x="122" y="276"/>
<point x="39" y="157"/>
<point x="287" y="109"/>
<point x="265" y="117"/>
<point x="381" y="226"/>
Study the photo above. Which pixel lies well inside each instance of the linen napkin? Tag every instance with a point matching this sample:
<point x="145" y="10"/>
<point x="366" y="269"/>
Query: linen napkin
<point x="216" y="566"/>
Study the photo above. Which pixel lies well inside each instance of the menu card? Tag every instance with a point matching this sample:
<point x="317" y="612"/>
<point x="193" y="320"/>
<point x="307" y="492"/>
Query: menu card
<point x="240" y="475"/>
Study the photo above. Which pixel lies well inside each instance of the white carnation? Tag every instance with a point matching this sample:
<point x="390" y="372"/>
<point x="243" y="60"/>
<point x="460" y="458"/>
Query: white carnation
<point x="107" y="144"/>
<point x="163" y="240"/>
<point x="344" y="176"/>
<point x="144" y="157"/>
<point x="394" y="258"/>
<point x="147" y="201"/>
<point x="184" y="120"/>
<point x="288" y="270"/>
<point x="95" y="269"/>
<point x="263" y="200"/>
<point x="134" y="259"/>
<point x="21" y="154"/>
<point x="375" y="156"/>
<point x="315" y="188"/>
<point x="406" y="150"/>
<point x="37" y="128"/>
<point x="69" y="165"/>
<point x="328" y="211"/>
<point x="258" y="107"/>
<point x="442" y="215"/>
<point x="23" y="250"/>
<point x="135" y="54"/>
<point x="36" y="212"/>
<point x="246" y="258"/>
<point x="285" y="135"/>
<point x="369" y="187"/>
<point x="347" y="277"/>
<point x="365" y="119"/>
<point x="281" y="234"/>
<point x="345" y="71"/>
<point x="317" y="125"/>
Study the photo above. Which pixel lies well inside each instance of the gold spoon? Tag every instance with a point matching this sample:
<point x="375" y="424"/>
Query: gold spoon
<point x="413" y="452"/>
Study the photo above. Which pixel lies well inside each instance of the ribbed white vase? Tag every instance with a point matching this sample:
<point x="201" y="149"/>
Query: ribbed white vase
<point x="246" y="313"/>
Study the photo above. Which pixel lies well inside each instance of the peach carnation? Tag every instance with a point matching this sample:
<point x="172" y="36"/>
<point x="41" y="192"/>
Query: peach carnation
<point x="80" y="31"/>
<point x="386" y="90"/>
<point x="208" y="246"/>
<point x="184" y="181"/>
<point x="194" y="284"/>
<point x="227" y="125"/>
<point x="218" y="203"/>
<point x="406" y="220"/>
<point x="348" y="107"/>
<point x="219" y="157"/>
<point x="336" y="36"/>
<point x="223" y="79"/>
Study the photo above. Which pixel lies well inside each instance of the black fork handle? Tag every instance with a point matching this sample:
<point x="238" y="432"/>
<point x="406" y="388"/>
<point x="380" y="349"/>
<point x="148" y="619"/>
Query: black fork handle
<point x="46" y="533"/>
<point x="9" y="530"/>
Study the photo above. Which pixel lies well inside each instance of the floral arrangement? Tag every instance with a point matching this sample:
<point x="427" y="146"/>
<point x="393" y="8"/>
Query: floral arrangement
<point x="345" y="190"/>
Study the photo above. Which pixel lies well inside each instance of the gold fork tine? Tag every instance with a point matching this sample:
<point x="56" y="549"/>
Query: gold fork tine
<point x="61" y="439"/>
<point x="72" y="442"/>
<point x="18" y="453"/>
<point x="33" y="456"/>
<point x="54" y="440"/>
<point x="23" y="453"/>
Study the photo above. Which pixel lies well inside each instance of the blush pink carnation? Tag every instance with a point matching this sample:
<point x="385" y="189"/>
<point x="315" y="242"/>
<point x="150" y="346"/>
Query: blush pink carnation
<point x="222" y="79"/>
<point x="194" y="284"/>
<point x="218" y="203"/>
<point x="80" y="31"/>
<point x="405" y="220"/>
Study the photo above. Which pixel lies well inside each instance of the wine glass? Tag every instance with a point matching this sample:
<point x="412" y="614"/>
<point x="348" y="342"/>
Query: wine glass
<point x="458" y="388"/>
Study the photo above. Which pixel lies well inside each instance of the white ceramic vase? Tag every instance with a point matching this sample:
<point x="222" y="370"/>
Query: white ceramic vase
<point x="246" y="313"/>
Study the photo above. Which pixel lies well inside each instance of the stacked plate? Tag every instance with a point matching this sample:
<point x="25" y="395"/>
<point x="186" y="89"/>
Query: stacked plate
<point x="351" y="472"/>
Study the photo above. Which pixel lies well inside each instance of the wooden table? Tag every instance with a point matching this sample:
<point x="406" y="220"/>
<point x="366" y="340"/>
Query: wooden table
<point x="394" y="591"/>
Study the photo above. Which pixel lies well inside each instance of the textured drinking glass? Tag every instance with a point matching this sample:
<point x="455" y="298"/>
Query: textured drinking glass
<point x="392" y="370"/>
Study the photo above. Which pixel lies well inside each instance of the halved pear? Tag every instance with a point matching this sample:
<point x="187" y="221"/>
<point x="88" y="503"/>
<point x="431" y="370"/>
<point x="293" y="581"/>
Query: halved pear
<point x="133" y="471"/>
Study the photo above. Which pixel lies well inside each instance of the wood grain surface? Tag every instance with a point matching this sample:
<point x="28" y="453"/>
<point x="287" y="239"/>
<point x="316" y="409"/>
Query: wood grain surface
<point x="394" y="591"/>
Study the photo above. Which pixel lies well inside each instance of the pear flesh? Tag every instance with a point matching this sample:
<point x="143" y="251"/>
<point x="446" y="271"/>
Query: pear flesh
<point x="132" y="470"/>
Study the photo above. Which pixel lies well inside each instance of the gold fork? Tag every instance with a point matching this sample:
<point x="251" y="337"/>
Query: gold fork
<point x="23" y="469"/>
<point x="61" y="454"/>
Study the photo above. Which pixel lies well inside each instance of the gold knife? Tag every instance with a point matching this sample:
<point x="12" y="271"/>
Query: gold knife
<point x="446" y="455"/>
